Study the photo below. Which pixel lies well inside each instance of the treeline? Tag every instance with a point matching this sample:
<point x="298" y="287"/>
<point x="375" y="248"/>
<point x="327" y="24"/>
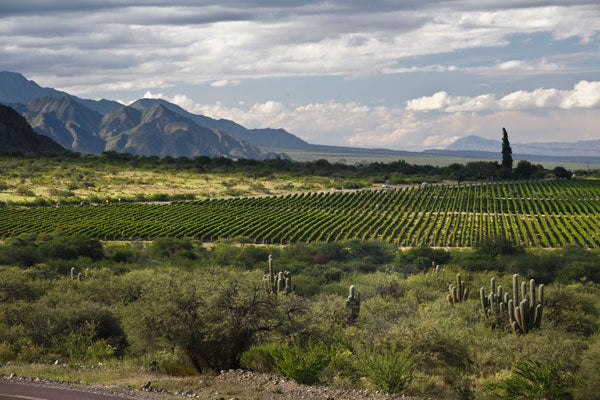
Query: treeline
<point x="396" y="172"/>
<point x="175" y="307"/>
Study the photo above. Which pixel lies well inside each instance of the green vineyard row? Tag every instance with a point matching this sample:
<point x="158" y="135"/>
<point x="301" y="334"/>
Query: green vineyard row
<point x="533" y="213"/>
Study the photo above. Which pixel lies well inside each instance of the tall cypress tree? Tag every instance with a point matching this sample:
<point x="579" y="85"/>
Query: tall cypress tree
<point x="507" y="160"/>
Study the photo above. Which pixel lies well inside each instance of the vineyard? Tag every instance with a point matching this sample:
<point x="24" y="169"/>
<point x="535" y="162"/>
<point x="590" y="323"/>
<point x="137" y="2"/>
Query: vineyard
<point x="532" y="213"/>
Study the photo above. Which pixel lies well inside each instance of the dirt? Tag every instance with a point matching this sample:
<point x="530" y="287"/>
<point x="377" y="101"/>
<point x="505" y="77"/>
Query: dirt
<point x="228" y="385"/>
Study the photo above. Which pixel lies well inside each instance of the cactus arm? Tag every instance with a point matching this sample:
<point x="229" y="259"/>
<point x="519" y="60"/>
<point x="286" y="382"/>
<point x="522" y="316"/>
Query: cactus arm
<point x="483" y="300"/>
<point x="516" y="288"/>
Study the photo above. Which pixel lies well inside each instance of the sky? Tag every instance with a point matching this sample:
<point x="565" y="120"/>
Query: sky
<point x="407" y="75"/>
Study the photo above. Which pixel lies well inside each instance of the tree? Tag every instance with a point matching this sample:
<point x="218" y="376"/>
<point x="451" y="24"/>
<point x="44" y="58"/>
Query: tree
<point x="561" y="173"/>
<point x="525" y="169"/>
<point x="211" y="315"/>
<point x="507" y="160"/>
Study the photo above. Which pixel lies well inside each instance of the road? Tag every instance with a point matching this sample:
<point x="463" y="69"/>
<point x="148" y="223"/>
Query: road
<point x="12" y="391"/>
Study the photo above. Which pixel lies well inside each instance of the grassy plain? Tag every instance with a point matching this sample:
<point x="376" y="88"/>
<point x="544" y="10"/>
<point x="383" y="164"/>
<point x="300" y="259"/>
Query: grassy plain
<point x="24" y="180"/>
<point x="348" y="157"/>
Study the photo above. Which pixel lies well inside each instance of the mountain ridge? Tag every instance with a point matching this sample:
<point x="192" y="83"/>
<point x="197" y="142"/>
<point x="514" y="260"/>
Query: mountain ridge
<point x="17" y="134"/>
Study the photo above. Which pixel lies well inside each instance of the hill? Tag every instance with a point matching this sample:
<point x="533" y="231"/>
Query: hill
<point x="162" y="132"/>
<point x="155" y="131"/>
<point x="15" y="88"/>
<point x="17" y="134"/>
<point x="68" y="122"/>
<point x="275" y="138"/>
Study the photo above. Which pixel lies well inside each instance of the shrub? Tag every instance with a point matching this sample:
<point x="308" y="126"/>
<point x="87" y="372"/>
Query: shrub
<point x="388" y="369"/>
<point x="167" y="247"/>
<point x="24" y="191"/>
<point x="304" y="364"/>
<point x="259" y="357"/>
<point x="533" y="380"/>
<point x="496" y="246"/>
<point x="588" y="384"/>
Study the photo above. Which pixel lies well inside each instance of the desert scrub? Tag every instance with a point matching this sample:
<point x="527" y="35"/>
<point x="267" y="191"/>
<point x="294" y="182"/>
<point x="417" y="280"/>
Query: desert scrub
<point x="534" y="380"/>
<point x="388" y="369"/>
<point x="304" y="364"/>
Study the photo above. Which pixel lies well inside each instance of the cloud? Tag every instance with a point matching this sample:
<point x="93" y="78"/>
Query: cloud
<point x="523" y="67"/>
<point x="224" y="83"/>
<point x="116" y="44"/>
<point x="584" y="95"/>
<point x="360" y="125"/>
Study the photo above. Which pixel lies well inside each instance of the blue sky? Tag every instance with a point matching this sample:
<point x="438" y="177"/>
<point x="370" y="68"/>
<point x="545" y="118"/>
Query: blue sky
<point x="398" y="74"/>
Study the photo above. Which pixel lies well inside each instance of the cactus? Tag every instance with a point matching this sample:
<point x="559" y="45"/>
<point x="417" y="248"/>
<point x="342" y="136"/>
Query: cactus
<point x="526" y="314"/>
<point x="496" y="302"/>
<point x="457" y="293"/>
<point x="353" y="302"/>
<point x="278" y="283"/>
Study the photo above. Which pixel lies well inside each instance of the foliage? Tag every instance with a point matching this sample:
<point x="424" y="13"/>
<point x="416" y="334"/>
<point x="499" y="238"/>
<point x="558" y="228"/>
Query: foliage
<point x="213" y="316"/>
<point x="304" y="364"/>
<point x="534" y="380"/>
<point x="496" y="246"/>
<point x="168" y="247"/>
<point x="507" y="160"/>
<point x="388" y="369"/>
<point x="499" y="217"/>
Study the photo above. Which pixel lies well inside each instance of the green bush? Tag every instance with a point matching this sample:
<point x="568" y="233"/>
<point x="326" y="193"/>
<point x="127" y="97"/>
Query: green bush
<point x="168" y="247"/>
<point x="587" y="378"/>
<point x="304" y="364"/>
<point x="260" y="358"/>
<point x="388" y="369"/>
<point x="534" y="380"/>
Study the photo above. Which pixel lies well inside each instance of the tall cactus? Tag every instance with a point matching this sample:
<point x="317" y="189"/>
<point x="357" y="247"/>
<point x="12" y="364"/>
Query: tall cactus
<point x="278" y="283"/>
<point x="353" y="302"/>
<point x="526" y="314"/>
<point x="496" y="302"/>
<point x="458" y="293"/>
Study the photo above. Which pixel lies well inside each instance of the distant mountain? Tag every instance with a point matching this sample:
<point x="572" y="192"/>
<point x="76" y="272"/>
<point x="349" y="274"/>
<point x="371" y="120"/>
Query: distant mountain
<point x="273" y="138"/>
<point x="586" y="148"/>
<point x="155" y="131"/>
<point x="162" y="132"/>
<point x="15" y="88"/>
<point x="68" y="122"/>
<point x="17" y="134"/>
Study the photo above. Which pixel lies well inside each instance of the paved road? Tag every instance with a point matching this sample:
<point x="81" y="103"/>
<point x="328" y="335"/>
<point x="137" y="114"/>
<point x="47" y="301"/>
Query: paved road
<point x="12" y="391"/>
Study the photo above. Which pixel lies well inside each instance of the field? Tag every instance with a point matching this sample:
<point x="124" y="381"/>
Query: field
<point x="532" y="213"/>
<point x="27" y="180"/>
<point x="349" y="157"/>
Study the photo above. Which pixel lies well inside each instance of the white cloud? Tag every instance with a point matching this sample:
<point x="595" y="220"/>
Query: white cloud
<point x="583" y="95"/>
<point x="224" y="83"/>
<point x="523" y="67"/>
<point x="355" y="124"/>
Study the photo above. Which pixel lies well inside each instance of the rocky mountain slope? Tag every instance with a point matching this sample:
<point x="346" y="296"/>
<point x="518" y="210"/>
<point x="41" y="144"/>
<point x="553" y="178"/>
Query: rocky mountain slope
<point x="17" y="134"/>
<point x="155" y="131"/>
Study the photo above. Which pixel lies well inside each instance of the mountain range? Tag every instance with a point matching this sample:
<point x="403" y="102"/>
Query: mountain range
<point x="145" y="127"/>
<point x="158" y="127"/>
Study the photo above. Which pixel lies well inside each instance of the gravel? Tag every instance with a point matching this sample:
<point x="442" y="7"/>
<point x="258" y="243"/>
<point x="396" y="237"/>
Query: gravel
<point x="246" y="385"/>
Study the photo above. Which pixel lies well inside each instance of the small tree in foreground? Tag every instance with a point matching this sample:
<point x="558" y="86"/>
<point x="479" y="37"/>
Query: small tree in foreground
<point x="211" y="316"/>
